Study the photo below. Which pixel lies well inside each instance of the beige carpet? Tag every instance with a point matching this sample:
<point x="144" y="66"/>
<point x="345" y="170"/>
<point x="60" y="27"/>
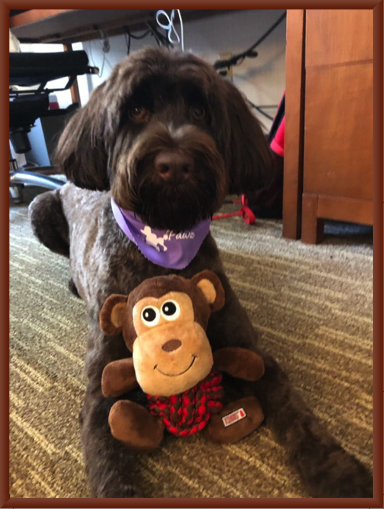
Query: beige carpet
<point x="312" y="304"/>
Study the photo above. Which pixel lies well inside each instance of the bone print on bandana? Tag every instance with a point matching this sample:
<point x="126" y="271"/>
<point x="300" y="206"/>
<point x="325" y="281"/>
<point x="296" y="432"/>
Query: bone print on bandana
<point x="162" y="247"/>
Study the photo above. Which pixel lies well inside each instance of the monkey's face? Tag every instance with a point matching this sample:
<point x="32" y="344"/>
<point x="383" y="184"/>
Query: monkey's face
<point x="163" y="323"/>
<point x="171" y="352"/>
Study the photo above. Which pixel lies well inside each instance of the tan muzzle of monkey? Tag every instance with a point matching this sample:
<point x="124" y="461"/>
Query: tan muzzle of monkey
<point x="172" y="358"/>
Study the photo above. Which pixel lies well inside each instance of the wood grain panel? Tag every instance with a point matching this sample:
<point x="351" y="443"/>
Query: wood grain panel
<point x="337" y="36"/>
<point x="293" y="163"/>
<point x="345" y="209"/>
<point x="317" y="208"/>
<point x="33" y="15"/>
<point x="312" y="230"/>
<point x="338" y="141"/>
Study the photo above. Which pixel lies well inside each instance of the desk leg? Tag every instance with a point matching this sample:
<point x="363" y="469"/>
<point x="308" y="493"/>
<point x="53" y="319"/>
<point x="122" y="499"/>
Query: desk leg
<point x="312" y="227"/>
<point x="75" y="92"/>
<point x="294" y="124"/>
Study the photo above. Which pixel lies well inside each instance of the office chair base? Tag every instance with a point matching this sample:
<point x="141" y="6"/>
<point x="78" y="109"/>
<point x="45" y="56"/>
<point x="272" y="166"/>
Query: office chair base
<point x="16" y="192"/>
<point x="33" y="179"/>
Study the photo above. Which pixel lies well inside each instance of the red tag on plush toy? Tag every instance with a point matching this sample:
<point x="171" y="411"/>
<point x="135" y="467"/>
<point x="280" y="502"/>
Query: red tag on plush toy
<point x="233" y="417"/>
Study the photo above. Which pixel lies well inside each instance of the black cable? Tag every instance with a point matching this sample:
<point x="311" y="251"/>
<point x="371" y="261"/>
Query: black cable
<point x="250" y="53"/>
<point x="141" y="36"/>
<point x="128" y="36"/>
<point x="128" y="42"/>
<point x="275" y="25"/>
<point x="160" y="38"/>
<point x="258" y="108"/>
<point x="153" y="34"/>
<point x="235" y="60"/>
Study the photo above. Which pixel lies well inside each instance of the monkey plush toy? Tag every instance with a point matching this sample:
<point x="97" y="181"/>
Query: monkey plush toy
<point x="163" y="323"/>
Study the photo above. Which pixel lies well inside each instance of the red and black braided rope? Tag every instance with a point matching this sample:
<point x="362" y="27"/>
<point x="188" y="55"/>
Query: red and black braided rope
<point x="189" y="412"/>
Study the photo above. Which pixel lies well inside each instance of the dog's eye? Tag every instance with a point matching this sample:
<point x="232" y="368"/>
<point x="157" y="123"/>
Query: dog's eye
<point x="139" y="114"/>
<point x="170" y="310"/>
<point x="198" y="112"/>
<point x="150" y="316"/>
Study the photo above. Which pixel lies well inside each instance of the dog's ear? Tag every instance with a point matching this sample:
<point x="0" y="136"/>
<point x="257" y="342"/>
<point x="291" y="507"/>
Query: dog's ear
<point x="248" y="156"/>
<point x="81" y="152"/>
<point x="112" y="314"/>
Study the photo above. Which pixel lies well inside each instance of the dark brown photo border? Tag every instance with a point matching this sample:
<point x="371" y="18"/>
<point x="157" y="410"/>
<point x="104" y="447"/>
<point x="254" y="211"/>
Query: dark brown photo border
<point x="377" y="500"/>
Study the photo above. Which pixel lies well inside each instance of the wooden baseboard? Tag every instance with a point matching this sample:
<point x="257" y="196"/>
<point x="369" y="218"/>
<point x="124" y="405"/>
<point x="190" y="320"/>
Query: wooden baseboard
<point x="345" y="209"/>
<point x="316" y="208"/>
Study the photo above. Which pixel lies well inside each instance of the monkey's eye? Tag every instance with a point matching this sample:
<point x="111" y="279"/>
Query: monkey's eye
<point x="150" y="316"/>
<point x="139" y="114"/>
<point x="198" y="112"/>
<point x="170" y="310"/>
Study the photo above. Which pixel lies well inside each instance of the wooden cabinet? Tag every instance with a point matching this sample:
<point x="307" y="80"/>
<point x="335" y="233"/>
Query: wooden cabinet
<point x="329" y="120"/>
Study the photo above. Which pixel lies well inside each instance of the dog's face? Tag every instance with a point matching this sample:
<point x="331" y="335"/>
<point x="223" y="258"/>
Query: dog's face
<point x="170" y="138"/>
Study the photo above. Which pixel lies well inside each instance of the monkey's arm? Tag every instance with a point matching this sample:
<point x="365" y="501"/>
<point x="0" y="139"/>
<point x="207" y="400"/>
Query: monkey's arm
<point x="239" y="363"/>
<point x="118" y="377"/>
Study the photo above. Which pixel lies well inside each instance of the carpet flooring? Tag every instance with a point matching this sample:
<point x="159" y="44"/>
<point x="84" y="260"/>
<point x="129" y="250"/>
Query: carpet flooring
<point x="312" y="306"/>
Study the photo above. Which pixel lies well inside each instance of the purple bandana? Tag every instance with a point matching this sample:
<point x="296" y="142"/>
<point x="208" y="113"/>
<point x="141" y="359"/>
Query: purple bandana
<point x="162" y="247"/>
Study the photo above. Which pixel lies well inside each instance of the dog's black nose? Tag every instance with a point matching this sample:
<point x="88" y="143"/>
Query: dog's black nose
<point x="173" y="165"/>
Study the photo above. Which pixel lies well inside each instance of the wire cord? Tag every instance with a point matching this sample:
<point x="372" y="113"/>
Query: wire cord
<point x="170" y="27"/>
<point x="250" y="53"/>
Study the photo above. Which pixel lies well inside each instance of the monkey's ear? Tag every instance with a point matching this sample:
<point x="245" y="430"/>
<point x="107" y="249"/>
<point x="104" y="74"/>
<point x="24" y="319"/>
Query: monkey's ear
<point x="112" y="314"/>
<point x="210" y="285"/>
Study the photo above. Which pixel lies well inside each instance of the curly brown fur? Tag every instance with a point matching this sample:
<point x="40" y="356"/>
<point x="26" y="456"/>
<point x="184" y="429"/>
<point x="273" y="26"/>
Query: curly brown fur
<point x="104" y="148"/>
<point x="49" y="223"/>
<point x="227" y="144"/>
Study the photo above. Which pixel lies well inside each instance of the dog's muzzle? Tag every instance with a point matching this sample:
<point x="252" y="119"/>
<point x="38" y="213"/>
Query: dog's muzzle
<point x="174" y="166"/>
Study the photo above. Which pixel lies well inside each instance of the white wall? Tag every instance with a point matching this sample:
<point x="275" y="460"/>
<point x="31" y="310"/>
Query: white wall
<point x="262" y="79"/>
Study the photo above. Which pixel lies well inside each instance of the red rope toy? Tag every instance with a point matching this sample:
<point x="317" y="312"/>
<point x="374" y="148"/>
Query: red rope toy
<point x="245" y="212"/>
<point x="189" y="412"/>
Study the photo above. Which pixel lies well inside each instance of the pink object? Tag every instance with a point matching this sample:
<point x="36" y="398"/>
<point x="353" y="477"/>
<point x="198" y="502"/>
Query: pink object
<point x="53" y="102"/>
<point x="277" y="144"/>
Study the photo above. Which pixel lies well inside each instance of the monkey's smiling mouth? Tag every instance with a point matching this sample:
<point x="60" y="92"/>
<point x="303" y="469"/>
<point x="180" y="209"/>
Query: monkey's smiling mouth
<point x="177" y="374"/>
